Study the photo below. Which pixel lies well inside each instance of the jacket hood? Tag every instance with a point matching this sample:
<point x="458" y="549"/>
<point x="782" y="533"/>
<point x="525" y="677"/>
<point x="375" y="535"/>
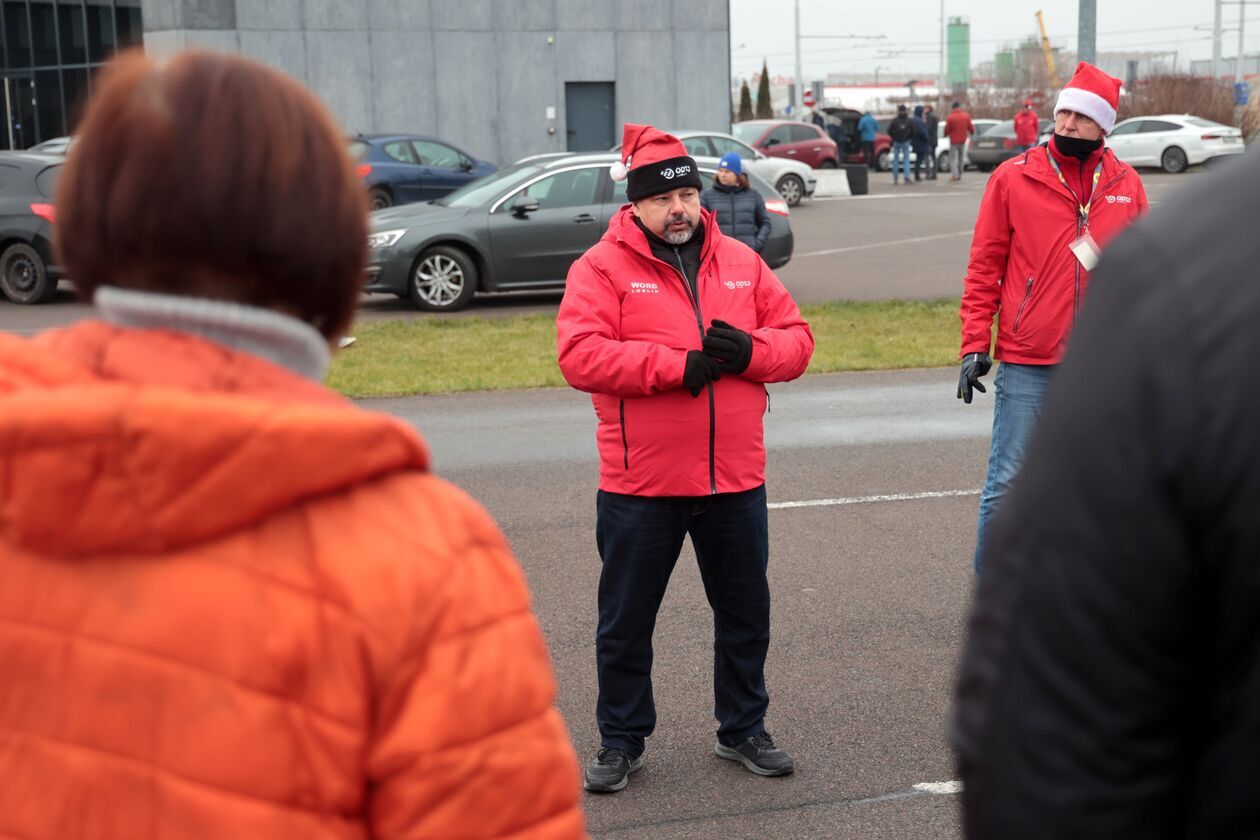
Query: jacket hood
<point x="621" y="228"/>
<point x="142" y="441"/>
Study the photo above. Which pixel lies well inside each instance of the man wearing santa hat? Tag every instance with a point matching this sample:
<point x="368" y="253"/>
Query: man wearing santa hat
<point x="1044" y="218"/>
<point x="674" y="330"/>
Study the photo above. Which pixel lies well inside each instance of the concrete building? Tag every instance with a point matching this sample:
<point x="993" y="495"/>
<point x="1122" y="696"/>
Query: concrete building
<point x="499" y="78"/>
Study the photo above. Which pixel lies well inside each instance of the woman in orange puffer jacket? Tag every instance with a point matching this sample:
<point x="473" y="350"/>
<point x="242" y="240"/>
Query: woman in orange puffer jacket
<point x="233" y="604"/>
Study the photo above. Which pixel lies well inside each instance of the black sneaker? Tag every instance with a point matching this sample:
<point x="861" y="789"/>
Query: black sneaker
<point x="758" y="754"/>
<point x="610" y="771"/>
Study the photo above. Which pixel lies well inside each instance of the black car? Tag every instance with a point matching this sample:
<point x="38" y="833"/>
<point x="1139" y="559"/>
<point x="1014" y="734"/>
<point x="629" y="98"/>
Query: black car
<point x="520" y="228"/>
<point x="402" y="168"/>
<point x="27" y="272"/>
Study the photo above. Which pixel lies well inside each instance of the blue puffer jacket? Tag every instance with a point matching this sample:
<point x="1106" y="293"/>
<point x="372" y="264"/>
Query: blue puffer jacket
<point x="740" y="212"/>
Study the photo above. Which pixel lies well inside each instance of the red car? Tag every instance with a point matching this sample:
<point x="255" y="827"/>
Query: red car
<point x="789" y="139"/>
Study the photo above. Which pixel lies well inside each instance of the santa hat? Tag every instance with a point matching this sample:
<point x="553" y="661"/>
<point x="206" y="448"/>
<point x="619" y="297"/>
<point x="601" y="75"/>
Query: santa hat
<point x="653" y="162"/>
<point x="1092" y="93"/>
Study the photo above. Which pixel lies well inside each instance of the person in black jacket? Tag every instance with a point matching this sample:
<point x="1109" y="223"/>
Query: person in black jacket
<point x="741" y="211"/>
<point x="902" y="133"/>
<point x="933" y="123"/>
<point x="1110" y="686"/>
<point x="919" y="141"/>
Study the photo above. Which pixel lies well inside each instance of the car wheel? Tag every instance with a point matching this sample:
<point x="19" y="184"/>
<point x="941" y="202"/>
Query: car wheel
<point x="827" y="164"/>
<point x="379" y="199"/>
<point x="791" y="188"/>
<point x="884" y="161"/>
<point x="444" y="279"/>
<point x="1173" y="160"/>
<point x="942" y="162"/>
<point x="23" y="275"/>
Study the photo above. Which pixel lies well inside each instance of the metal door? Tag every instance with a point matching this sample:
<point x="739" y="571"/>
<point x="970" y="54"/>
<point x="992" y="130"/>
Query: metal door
<point x="588" y="116"/>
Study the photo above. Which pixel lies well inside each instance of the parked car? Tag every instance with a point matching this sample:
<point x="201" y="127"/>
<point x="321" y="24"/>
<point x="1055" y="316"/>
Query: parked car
<point x="1173" y="142"/>
<point x="404" y="168"/>
<point x="793" y="179"/>
<point x="27" y="271"/>
<point x="851" y="150"/>
<point x="981" y="125"/>
<point x="54" y="146"/>
<point x="519" y="228"/>
<point x="998" y="144"/>
<point x="801" y="141"/>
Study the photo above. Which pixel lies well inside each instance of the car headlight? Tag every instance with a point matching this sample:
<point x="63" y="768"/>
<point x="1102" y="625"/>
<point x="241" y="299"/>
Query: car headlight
<point x="385" y="238"/>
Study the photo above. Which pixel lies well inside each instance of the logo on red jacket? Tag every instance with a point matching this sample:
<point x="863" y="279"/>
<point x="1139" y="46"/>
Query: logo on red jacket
<point x="637" y="288"/>
<point x="1119" y="199"/>
<point x="737" y="284"/>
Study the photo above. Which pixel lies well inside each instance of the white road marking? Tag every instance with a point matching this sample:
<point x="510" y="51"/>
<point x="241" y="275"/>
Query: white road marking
<point x="883" y="196"/>
<point x="870" y="245"/>
<point x="862" y="500"/>
<point x="939" y="788"/>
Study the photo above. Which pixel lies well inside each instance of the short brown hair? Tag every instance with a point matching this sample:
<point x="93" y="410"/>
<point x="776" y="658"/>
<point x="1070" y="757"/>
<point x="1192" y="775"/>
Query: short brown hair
<point x="214" y="176"/>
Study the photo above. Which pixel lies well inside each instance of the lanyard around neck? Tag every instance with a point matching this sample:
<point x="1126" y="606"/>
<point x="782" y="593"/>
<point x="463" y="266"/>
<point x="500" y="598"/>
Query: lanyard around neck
<point x="1083" y="209"/>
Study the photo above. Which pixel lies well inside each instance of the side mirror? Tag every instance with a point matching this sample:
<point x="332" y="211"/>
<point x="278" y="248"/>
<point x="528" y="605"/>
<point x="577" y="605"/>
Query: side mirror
<point x="466" y="166"/>
<point x="524" y="206"/>
<point x="773" y="141"/>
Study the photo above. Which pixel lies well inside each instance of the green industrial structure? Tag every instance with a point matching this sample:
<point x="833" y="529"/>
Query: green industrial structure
<point x="958" y="54"/>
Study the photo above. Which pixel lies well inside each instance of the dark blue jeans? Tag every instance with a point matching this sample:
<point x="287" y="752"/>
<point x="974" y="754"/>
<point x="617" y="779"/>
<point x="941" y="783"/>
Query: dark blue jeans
<point x="1018" y="391"/>
<point x="639" y="539"/>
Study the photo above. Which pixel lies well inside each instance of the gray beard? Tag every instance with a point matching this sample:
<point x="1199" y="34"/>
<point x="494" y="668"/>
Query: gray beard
<point x="678" y="238"/>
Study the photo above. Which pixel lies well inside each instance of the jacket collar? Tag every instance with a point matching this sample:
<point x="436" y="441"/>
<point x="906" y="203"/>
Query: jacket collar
<point x="623" y="231"/>
<point x="1036" y="165"/>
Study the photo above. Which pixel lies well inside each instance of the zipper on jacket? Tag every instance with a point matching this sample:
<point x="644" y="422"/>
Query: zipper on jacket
<point x="1019" y="313"/>
<point x="695" y="303"/>
<point x="1076" y="288"/>
<point x="625" y="443"/>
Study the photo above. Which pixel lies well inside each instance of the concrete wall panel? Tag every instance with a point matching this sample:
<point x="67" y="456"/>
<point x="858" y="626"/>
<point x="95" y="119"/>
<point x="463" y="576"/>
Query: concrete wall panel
<point x="648" y="15"/>
<point x="584" y="14"/>
<point x="400" y="15"/>
<point x="403" y="70"/>
<point x="700" y="103"/>
<point x="335" y="14"/>
<point x="284" y="50"/>
<point x="526" y="15"/>
<point x="463" y="15"/>
<point x="339" y="70"/>
<point x="647" y="79"/>
<point x="269" y="14"/>
<point x="466" y="82"/>
<point x="526" y="86"/>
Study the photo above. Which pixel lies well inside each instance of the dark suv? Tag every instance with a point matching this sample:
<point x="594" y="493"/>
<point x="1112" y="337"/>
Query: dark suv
<point x="27" y="272"/>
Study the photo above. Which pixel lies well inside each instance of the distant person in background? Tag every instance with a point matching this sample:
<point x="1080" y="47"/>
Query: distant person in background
<point x="1044" y="217"/>
<point x="235" y="604"/>
<point x="901" y="130"/>
<point x="958" y="129"/>
<point x="740" y="210"/>
<point x="919" y="142"/>
<point x="933" y="123"/>
<point x="1026" y="127"/>
<point x="868" y="127"/>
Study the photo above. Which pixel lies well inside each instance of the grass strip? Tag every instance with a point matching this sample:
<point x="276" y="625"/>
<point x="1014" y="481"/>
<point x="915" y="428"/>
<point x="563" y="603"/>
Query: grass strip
<point x="447" y="355"/>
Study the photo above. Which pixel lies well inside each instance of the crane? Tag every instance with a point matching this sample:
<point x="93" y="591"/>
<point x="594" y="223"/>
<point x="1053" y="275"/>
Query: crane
<point x="1046" y="50"/>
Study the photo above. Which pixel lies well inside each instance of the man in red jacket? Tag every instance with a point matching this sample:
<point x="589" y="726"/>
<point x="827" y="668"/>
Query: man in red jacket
<point x="674" y="329"/>
<point x="1044" y="216"/>
<point x="958" y="128"/>
<point x="1026" y="127"/>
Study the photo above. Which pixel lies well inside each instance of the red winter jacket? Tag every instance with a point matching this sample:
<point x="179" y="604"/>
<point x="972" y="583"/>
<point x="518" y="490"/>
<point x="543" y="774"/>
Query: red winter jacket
<point x="1026" y="128"/>
<point x="625" y="326"/>
<point x="1020" y="265"/>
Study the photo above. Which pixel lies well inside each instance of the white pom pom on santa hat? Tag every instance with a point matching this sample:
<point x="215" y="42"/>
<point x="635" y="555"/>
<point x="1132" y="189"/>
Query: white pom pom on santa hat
<point x="619" y="170"/>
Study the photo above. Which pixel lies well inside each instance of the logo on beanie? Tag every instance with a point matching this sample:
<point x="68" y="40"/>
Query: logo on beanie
<point x="669" y="173"/>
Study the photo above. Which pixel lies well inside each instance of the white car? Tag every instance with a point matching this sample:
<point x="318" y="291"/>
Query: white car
<point x="794" y="180"/>
<point x="1173" y="142"/>
<point x="981" y="125"/>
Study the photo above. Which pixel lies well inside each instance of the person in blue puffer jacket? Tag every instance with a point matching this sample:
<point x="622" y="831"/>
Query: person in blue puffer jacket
<point x="740" y="210"/>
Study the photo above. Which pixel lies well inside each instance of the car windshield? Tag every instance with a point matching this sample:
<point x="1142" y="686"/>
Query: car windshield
<point x="483" y="190"/>
<point x="748" y="132"/>
<point x="984" y="128"/>
<point x="1002" y="129"/>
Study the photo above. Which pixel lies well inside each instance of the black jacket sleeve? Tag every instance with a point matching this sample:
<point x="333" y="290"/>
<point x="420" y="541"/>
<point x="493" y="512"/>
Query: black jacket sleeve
<point x="1076" y="693"/>
<point x="763" y="223"/>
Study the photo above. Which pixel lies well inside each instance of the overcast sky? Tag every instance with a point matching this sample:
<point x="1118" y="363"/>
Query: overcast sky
<point x="911" y="30"/>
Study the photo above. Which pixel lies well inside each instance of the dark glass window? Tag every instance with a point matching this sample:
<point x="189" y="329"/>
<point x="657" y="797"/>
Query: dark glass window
<point x="48" y="104"/>
<point x="44" y="33"/>
<point x="21" y="125"/>
<point x="17" y="34"/>
<point x="100" y="30"/>
<point x="127" y="21"/>
<point x="75" y="85"/>
<point x="71" y="30"/>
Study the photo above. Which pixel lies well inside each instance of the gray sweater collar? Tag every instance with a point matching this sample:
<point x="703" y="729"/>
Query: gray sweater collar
<point x="274" y="336"/>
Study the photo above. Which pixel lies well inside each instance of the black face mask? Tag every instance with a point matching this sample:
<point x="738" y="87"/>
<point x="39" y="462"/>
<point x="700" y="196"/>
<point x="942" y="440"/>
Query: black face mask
<point x="1077" y="147"/>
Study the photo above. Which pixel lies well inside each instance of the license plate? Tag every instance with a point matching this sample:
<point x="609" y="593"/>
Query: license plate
<point x="1230" y="139"/>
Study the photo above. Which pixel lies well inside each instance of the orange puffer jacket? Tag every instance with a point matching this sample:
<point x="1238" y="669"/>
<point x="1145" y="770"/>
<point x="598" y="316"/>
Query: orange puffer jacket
<point x="234" y="605"/>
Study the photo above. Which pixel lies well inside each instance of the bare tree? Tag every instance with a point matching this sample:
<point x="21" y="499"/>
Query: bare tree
<point x="1179" y="94"/>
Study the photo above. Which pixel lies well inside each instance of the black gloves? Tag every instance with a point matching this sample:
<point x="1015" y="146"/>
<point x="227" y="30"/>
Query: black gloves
<point x="729" y="346"/>
<point x="974" y="366"/>
<point x="699" y="372"/>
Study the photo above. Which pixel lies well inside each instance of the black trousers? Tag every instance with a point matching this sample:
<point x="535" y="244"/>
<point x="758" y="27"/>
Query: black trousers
<point x="868" y="151"/>
<point x="639" y="539"/>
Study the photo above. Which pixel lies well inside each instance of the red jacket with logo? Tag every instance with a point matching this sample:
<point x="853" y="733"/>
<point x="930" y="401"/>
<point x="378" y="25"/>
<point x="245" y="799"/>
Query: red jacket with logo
<point x="625" y="325"/>
<point x="958" y="127"/>
<point x="1021" y="267"/>
<point x="1026" y="126"/>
